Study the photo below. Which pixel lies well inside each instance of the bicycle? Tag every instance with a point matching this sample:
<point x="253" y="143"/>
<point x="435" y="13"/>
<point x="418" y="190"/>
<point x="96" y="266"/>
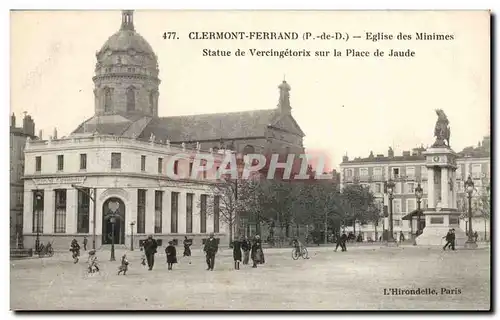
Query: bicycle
<point x="302" y="253"/>
<point x="45" y="250"/>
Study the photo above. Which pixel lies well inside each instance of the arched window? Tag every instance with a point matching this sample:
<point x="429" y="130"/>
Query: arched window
<point x="131" y="99"/>
<point x="107" y="100"/>
<point x="248" y="149"/>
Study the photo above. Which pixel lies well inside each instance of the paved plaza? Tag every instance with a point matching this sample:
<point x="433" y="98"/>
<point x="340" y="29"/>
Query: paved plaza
<point x="350" y="280"/>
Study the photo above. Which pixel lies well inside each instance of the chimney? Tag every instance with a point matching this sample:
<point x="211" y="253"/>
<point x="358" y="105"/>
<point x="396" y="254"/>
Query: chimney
<point x="13" y="120"/>
<point x="28" y="125"/>
<point x="40" y="135"/>
<point x="371" y="156"/>
<point x="345" y="158"/>
<point x="55" y="133"/>
<point x="390" y="153"/>
<point x="406" y="153"/>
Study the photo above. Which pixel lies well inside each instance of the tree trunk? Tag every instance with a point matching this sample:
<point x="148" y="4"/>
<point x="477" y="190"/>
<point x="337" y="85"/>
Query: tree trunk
<point x="230" y="232"/>
<point x="485" y="230"/>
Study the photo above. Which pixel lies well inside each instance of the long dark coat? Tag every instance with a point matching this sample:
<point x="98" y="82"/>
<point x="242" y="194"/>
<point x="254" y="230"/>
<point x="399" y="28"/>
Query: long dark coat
<point x="257" y="253"/>
<point x="171" y="253"/>
<point x="187" y="249"/>
<point x="237" y="250"/>
<point x="150" y="246"/>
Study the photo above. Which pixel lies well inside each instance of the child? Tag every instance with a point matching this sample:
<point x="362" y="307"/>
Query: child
<point x="124" y="266"/>
<point x="237" y="254"/>
<point x="171" y="255"/>
<point x="143" y="256"/>
<point x="75" y="249"/>
<point x="93" y="265"/>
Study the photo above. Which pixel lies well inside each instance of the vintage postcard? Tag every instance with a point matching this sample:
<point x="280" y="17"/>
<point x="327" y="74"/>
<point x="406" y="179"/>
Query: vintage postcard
<point x="250" y="160"/>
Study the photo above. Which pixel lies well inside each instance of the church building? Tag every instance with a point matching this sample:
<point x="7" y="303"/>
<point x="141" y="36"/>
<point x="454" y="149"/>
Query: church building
<point x="106" y="181"/>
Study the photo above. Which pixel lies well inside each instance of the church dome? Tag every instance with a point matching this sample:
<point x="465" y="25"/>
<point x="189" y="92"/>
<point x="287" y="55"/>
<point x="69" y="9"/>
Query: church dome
<point x="126" y="73"/>
<point x="127" y="40"/>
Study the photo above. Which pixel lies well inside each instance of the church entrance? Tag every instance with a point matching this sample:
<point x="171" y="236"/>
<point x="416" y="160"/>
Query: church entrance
<point x="113" y="212"/>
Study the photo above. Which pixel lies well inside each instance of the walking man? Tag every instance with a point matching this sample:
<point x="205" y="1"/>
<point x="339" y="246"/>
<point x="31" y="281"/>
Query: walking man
<point x="85" y="241"/>
<point x="246" y="246"/>
<point x="452" y="239"/>
<point x="341" y="242"/>
<point x="448" y="238"/>
<point x="150" y="246"/>
<point x="211" y="247"/>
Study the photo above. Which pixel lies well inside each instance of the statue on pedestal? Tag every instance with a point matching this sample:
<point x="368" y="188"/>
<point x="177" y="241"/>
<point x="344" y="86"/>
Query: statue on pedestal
<point x="442" y="130"/>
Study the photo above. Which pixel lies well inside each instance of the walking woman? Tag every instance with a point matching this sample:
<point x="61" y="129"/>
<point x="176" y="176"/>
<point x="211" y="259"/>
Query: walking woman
<point x="187" y="250"/>
<point x="257" y="254"/>
<point x="237" y="254"/>
<point x="171" y="254"/>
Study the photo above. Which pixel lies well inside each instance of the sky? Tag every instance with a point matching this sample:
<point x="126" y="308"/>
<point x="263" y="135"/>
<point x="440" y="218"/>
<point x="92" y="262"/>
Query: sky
<point x="344" y="105"/>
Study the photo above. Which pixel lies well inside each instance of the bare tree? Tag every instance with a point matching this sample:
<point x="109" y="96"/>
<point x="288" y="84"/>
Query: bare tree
<point x="223" y="204"/>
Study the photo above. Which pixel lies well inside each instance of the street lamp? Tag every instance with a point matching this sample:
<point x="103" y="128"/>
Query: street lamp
<point x="39" y="208"/>
<point x="112" y="218"/>
<point x="469" y="189"/>
<point x="390" y="191"/>
<point x="132" y="224"/>
<point x="419" y="192"/>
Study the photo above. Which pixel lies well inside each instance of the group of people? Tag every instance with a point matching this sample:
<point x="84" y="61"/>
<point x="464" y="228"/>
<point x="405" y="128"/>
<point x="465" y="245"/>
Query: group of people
<point x="249" y="249"/>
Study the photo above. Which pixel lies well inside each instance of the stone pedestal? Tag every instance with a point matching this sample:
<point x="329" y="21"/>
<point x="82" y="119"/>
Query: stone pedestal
<point x="437" y="225"/>
<point x="442" y="214"/>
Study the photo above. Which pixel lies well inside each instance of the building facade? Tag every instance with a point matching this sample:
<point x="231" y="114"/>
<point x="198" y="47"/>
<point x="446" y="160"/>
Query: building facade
<point x="126" y="177"/>
<point x="407" y="171"/>
<point x="18" y="136"/>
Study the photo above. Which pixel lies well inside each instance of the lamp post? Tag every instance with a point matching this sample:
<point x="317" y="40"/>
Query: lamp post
<point x="132" y="224"/>
<point x="390" y="191"/>
<point x="39" y="208"/>
<point x="419" y="192"/>
<point x="469" y="189"/>
<point x="112" y="219"/>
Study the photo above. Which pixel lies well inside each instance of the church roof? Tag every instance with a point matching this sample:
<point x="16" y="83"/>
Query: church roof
<point x="201" y="127"/>
<point x="190" y="128"/>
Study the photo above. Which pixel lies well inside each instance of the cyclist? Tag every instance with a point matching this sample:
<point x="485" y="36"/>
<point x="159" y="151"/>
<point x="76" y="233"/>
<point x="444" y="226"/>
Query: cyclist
<point x="297" y="245"/>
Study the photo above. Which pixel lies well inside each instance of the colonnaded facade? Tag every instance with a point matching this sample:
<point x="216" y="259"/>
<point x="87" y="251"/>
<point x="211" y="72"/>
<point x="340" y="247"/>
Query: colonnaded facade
<point x="126" y="177"/>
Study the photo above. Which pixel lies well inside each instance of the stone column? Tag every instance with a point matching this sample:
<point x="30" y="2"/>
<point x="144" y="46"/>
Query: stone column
<point x="453" y="192"/>
<point x="72" y="211"/>
<point x="181" y="224"/>
<point x="445" y="188"/>
<point x="150" y="211"/>
<point x="196" y="213"/>
<point x="48" y="211"/>
<point x="166" y="211"/>
<point x="28" y="212"/>
<point x="431" y="201"/>
<point x="99" y="215"/>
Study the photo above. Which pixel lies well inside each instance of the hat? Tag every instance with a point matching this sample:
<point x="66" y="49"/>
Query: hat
<point x="92" y="252"/>
<point x="170" y="242"/>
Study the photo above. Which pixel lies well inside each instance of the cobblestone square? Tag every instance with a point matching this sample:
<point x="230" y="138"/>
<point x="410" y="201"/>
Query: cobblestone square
<point x="352" y="280"/>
